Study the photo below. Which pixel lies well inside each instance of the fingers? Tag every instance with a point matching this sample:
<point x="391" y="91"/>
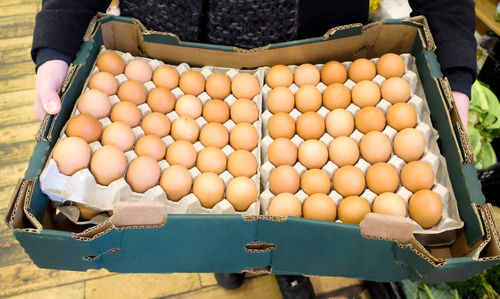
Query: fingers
<point x="462" y="102"/>
<point x="49" y="78"/>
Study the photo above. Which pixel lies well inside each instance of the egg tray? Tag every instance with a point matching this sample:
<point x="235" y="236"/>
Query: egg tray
<point x="450" y="219"/>
<point x="82" y="187"/>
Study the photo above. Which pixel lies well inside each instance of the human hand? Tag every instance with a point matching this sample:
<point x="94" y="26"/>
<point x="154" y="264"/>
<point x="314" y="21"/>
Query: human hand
<point x="49" y="78"/>
<point x="462" y="102"/>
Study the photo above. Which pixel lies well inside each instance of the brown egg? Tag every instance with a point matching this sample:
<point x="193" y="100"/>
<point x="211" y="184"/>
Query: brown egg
<point x="339" y="122"/>
<point x="108" y="164"/>
<point x="336" y="96"/>
<point x="242" y="163"/>
<point x="211" y="159"/>
<point x="126" y="112"/>
<point x="243" y="136"/>
<point x="85" y="126"/>
<point x="391" y="65"/>
<point x="365" y="93"/>
<point x="181" y="152"/>
<point x="104" y="82"/>
<point x="425" y="208"/>
<point x="306" y="74"/>
<point x="279" y="75"/>
<point x="132" y="91"/>
<point x="161" y="100"/>
<point x="315" y="181"/>
<point x="188" y="105"/>
<point x="216" y="111"/>
<point x="244" y="110"/>
<point x="120" y="135"/>
<point x="375" y="147"/>
<point x="138" y="70"/>
<point x="214" y="134"/>
<point x="110" y="62"/>
<point x="401" y="116"/>
<point x="71" y="154"/>
<point x="95" y="103"/>
<point x="349" y="180"/>
<point x="343" y="151"/>
<point x="370" y="119"/>
<point x="382" y="177"/>
<point x="310" y="125"/>
<point x="284" y="179"/>
<point x="241" y="192"/>
<point x="192" y="82"/>
<point x="333" y="72"/>
<point x="417" y="175"/>
<point x="86" y="213"/>
<point x="245" y="85"/>
<point x="353" y="209"/>
<point x="282" y="151"/>
<point x="143" y="174"/>
<point x="395" y="90"/>
<point x="308" y="98"/>
<point x="362" y="69"/>
<point x="284" y="205"/>
<point x="218" y="86"/>
<point x="209" y="189"/>
<point x="176" y="181"/>
<point x="280" y="99"/>
<point x="409" y="144"/>
<point x="166" y="76"/>
<point x="389" y="203"/>
<point x="151" y="145"/>
<point x="185" y="128"/>
<point x="281" y="124"/>
<point x="320" y="206"/>
<point x="313" y="154"/>
<point x="157" y="124"/>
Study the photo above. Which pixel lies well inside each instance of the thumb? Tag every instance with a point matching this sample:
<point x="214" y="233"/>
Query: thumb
<point x="50" y="101"/>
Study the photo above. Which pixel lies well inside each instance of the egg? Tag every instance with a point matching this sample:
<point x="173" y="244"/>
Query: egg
<point x="243" y="136"/>
<point x="161" y="100"/>
<point x="185" y="128"/>
<point x="382" y="177"/>
<point x="241" y="192"/>
<point x="95" y="103"/>
<point x="181" y="152"/>
<point x="319" y="206"/>
<point x="86" y="213"/>
<point x="315" y="181"/>
<point x="214" y="134"/>
<point x="138" y="70"/>
<point x="110" y="62"/>
<point x="120" y="135"/>
<point x="166" y="76"/>
<point x="375" y="147"/>
<point x="104" y="82"/>
<point x="244" y="110"/>
<point x="188" y="105"/>
<point x="370" y="119"/>
<point x="349" y="180"/>
<point x="176" y="181"/>
<point x="281" y="124"/>
<point x="279" y="75"/>
<point x="209" y="189"/>
<point x="310" y="125"/>
<point x="417" y="175"/>
<point x="143" y="174"/>
<point x="211" y="159"/>
<point x="343" y="151"/>
<point x="365" y="93"/>
<point x="192" y="82"/>
<point x="313" y="154"/>
<point x="306" y="74"/>
<point x="242" y="163"/>
<point x="353" y="209"/>
<point x="395" y="90"/>
<point x="409" y="144"/>
<point x="284" y="179"/>
<point x="425" y="208"/>
<point x="132" y="91"/>
<point x="391" y="65"/>
<point x="216" y="111"/>
<point x="308" y="98"/>
<point x="333" y="72"/>
<point x="218" y="86"/>
<point x="280" y="99"/>
<point x="339" y="122"/>
<point x="151" y="145"/>
<point x="84" y="126"/>
<point x="401" y="116"/>
<point x="336" y="96"/>
<point x="362" y="69"/>
<point x="71" y="154"/>
<point x="157" y="124"/>
<point x="282" y="151"/>
<point x="108" y="164"/>
<point x="284" y="205"/>
<point x="245" y="85"/>
<point x="389" y="203"/>
<point x="126" y="112"/>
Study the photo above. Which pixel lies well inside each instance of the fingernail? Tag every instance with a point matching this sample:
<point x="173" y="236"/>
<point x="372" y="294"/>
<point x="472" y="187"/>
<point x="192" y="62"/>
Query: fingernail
<point x="51" y="107"/>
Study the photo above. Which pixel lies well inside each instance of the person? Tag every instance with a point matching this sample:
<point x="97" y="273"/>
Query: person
<point x="60" y="26"/>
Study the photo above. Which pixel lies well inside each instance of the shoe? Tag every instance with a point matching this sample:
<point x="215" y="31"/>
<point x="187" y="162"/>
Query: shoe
<point x="295" y="286"/>
<point x="230" y="281"/>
